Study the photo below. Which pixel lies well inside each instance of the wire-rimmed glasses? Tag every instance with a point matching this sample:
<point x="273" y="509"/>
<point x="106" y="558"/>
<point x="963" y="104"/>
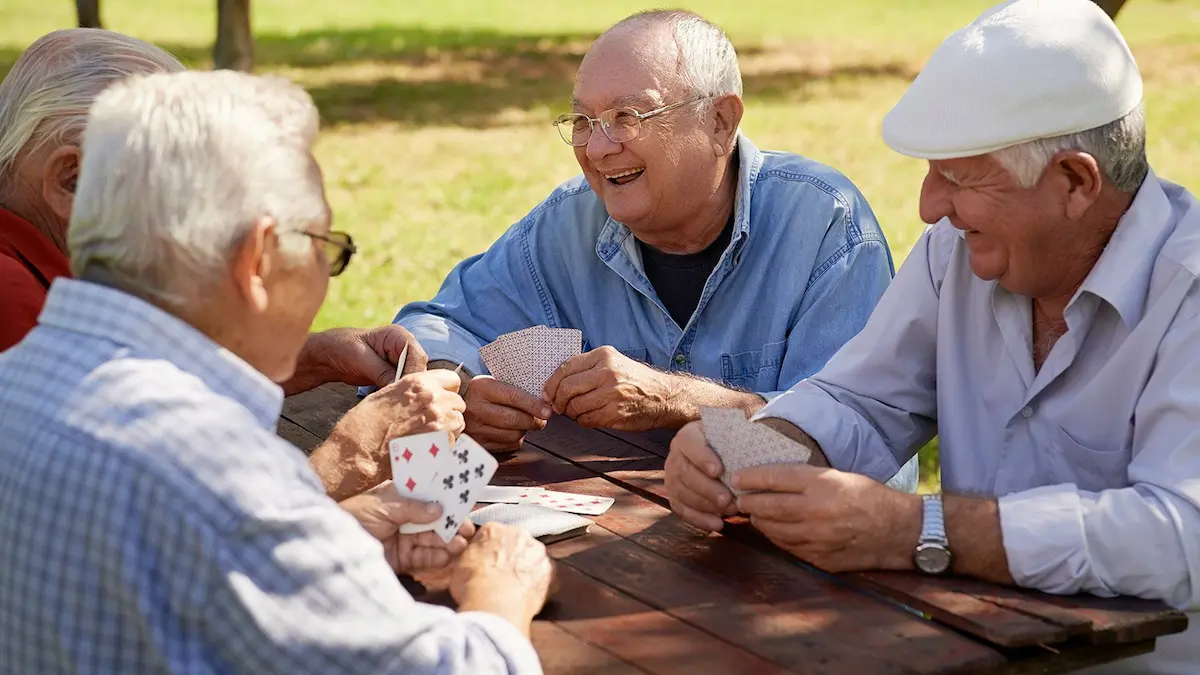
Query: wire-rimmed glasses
<point x="620" y="125"/>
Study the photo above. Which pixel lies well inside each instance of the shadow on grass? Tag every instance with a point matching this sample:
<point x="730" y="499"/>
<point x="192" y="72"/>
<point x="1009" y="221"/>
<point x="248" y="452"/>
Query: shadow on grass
<point x="469" y="78"/>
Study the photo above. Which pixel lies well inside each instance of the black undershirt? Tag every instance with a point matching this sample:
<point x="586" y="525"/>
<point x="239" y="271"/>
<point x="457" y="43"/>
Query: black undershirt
<point x="679" y="279"/>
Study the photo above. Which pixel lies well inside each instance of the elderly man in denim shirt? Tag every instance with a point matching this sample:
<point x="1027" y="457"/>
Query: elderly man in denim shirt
<point x="701" y="270"/>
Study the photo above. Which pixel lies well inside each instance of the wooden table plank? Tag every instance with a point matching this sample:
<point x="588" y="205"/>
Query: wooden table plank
<point x="647" y="593"/>
<point x="801" y="622"/>
<point x="297" y="435"/>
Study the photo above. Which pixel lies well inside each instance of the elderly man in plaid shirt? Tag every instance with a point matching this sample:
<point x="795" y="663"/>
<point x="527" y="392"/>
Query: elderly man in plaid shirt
<point x="151" y="519"/>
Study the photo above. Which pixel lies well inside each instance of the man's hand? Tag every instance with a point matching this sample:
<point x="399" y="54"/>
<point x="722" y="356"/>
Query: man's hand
<point x="837" y="521"/>
<point x="499" y="415"/>
<point x="381" y="511"/>
<point x="355" y="356"/>
<point x="504" y="571"/>
<point x="692" y="473"/>
<point x="605" y="388"/>
<point x="354" y="458"/>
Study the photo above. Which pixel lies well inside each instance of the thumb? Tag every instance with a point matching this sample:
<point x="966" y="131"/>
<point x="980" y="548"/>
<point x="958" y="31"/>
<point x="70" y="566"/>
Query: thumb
<point x="404" y="511"/>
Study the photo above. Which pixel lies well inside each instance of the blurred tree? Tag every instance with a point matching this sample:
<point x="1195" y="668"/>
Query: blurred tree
<point x="235" y="43"/>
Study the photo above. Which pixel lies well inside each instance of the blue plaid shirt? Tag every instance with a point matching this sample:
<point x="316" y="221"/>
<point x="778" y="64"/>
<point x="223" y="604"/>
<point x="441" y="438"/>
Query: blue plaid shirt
<point x="151" y="521"/>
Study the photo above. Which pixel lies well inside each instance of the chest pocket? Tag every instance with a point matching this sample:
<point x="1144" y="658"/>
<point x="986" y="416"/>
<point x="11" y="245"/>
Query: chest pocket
<point x="756" y="370"/>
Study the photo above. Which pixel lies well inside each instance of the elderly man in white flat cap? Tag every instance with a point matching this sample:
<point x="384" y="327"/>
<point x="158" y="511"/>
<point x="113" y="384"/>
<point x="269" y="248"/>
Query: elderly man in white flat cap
<point x="1046" y="328"/>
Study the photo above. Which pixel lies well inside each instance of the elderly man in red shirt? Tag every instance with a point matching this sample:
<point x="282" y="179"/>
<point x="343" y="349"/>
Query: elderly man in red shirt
<point x="44" y="101"/>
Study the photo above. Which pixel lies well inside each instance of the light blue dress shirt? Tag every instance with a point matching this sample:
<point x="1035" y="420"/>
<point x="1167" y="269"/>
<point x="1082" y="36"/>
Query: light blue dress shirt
<point x="1095" y="458"/>
<point x="805" y="266"/>
<point x="152" y="522"/>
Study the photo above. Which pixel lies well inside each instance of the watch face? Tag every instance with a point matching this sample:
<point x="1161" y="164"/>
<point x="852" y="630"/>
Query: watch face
<point x="932" y="558"/>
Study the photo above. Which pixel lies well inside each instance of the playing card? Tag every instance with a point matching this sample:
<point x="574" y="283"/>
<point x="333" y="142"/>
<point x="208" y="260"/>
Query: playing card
<point x="538" y="521"/>
<point x="508" y="494"/>
<point x="528" y="357"/>
<point x="403" y="360"/>
<point x="567" y="501"/>
<point x="465" y="472"/>
<point x="741" y="443"/>
<point x="415" y="461"/>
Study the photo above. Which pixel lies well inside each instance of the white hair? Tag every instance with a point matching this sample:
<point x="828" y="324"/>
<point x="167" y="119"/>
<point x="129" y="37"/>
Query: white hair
<point x="178" y="169"/>
<point x="708" y="62"/>
<point x="44" y="99"/>
<point x="1119" y="148"/>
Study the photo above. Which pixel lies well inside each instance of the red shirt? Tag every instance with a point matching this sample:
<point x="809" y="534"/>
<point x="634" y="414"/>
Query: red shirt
<point x="29" y="262"/>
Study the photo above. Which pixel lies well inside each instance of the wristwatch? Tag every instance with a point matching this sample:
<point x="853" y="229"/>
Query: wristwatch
<point x="932" y="555"/>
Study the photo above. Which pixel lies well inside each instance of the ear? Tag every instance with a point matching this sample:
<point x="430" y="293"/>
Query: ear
<point x="60" y="174"/>
<point x="727" y="115"/>
<point x="252" y="266"/>
<point x="1082" y="180"/>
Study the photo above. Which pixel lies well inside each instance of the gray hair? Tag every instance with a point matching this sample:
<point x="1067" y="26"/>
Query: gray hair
<point x="179" y="168"/>
<point x="44" y="99"/>
<point x="1119" y="148"/>
<point x="708" y="62"/>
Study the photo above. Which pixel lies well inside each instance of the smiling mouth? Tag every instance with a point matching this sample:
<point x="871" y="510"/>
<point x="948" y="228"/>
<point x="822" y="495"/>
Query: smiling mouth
<point x="624" y="177"/>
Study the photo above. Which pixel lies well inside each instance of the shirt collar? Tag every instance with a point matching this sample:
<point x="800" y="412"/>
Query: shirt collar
<point x="115" y="316"/>
<point x="614" y="234"/>
<point x="1121" y="276"/>
<point x="33" y="247"/>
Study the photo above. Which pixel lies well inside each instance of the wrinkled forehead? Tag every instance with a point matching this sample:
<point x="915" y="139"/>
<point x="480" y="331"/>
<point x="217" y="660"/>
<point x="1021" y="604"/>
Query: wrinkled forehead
<point x="634" y="68"/>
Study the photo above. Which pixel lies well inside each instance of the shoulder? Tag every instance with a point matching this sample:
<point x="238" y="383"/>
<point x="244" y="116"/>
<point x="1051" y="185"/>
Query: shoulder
<point x="1183" y="246"/>
<point x="164" y="426"/>
<point x="21" y="300"/>
<point x="571" y="205"/>
<point x="819" y="193"/>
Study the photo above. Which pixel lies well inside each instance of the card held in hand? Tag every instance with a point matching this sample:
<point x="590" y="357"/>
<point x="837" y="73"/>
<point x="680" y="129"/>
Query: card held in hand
<point x="528" y="357"/>
<point x="741" y="443"/>
<point x="426" y="467"/>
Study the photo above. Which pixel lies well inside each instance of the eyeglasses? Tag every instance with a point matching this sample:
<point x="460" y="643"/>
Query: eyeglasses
<point x="339" y="248"/>
<point x="621" y="125"/>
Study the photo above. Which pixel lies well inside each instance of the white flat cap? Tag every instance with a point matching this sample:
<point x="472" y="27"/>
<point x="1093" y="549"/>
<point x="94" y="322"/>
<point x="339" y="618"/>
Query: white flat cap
<point x="1023" y="70"/>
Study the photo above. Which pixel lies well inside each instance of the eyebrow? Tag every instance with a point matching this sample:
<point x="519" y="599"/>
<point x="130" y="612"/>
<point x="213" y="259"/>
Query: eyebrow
<point x="635" y="100"/>
<point x="949" y="175"/>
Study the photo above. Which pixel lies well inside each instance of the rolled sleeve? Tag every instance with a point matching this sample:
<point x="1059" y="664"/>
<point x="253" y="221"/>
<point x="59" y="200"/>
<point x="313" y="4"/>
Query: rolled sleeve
<point x="444" y="340"/>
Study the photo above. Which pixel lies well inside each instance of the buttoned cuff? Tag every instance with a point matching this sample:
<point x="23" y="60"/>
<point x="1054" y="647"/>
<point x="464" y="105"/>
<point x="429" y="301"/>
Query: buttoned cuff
<point x="517" y="650"/>
<point x="848" y="440"/>
<point x="1045" y="541"/>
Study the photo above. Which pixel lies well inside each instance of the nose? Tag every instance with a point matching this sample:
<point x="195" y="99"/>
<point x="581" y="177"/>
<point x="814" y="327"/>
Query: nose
<point x="935" y="198"/>
<point x="600" y="146"/>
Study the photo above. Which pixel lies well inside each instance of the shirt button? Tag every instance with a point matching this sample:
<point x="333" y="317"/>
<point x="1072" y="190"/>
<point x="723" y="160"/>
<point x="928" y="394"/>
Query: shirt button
<point x="1026" y="412"/>
<point x="680" y="359"/>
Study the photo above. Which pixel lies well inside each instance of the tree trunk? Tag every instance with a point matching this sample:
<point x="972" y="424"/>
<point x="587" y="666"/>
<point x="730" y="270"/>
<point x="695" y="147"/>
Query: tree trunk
<point x="235" y="43"/>
<point x="89" y="13"/>
<point x="1110" y="7"/>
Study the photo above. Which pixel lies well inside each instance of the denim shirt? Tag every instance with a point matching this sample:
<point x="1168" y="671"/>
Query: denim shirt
<point x="805" y="266"/>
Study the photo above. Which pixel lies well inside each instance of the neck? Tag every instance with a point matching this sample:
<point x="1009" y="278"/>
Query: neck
<point x="37" y="214"/>
<point x="704" y="224"/>
<point x="1102" y="221"/>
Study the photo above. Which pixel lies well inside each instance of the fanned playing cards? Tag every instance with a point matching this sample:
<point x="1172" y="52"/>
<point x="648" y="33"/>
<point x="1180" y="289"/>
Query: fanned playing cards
<point x="427" y="467"/>
<point x="741" y="443"/>
<point x="528" y="357"/>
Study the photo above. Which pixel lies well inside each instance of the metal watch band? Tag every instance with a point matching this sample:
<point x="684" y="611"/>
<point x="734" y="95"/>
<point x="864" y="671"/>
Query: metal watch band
<point x="933" y="521"/>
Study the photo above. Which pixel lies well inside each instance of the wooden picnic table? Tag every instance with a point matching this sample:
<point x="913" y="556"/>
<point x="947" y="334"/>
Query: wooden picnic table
<point x="643" y="592"/>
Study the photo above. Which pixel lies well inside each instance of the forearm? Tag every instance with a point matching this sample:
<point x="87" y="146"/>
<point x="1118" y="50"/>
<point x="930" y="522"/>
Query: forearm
<point x="342" y="473"/>
<point x="688" y="394"/>
<point x="311" y="370"/>
<point x="976" y="540"/>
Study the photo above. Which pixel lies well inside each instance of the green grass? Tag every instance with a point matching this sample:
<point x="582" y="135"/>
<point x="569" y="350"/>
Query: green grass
<point x="436" y="113"/>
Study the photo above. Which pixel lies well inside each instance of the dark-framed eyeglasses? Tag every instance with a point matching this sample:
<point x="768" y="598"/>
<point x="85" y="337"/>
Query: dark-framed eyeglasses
<point x="339" y="249"/>
<point x="620" y="125"/>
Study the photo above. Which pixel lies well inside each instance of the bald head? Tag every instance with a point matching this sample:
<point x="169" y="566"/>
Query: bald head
<point x="44" y="99"/>
<point x="687" y="52"/>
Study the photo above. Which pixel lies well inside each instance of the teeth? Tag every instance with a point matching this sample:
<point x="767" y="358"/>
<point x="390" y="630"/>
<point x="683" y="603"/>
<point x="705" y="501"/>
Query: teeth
<point x="626" y="173"/>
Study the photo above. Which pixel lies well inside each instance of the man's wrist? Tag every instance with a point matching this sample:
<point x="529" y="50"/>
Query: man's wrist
<point x="688" y="394"/>
<point x="906" y="518"/>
